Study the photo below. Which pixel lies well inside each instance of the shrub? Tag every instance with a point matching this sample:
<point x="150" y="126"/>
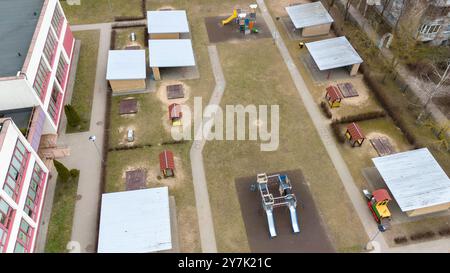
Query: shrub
<point x="113" y="40"/>
<point x="444" y="232"/>
<point x="362" y="117"/>
<point x="422" y="235"/>
<point x="74" y="173"/>
<point x="335" y="126"/>
<point x="326" y="109"/>
<point x="401" y="240"/>
<point x="63" y="172"/>
<point x="73" y="119"/>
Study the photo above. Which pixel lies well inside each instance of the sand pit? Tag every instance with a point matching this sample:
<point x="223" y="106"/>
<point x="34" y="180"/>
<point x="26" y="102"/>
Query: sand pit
<point x="161" y="93"/>
<point x="378" y="135"/>
<point x="363" y="92"/>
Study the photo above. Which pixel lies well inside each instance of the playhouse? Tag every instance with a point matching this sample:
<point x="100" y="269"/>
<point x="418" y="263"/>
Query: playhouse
<point x="355" y="135"/>
<point x="244" y="19"/>
<point x="333" y="96"/>
<point x="175" y="114"/>
<point x="167" y="164"/>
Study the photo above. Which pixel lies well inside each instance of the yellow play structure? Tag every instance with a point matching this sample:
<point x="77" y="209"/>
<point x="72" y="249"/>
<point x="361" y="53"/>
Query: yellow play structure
<point x="231" y="18"/>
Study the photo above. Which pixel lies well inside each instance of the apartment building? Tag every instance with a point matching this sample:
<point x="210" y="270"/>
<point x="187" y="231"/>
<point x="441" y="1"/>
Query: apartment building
<point x="23" y="181"/>
<point x="430" y="19"/>
<point x="36" y="49"/>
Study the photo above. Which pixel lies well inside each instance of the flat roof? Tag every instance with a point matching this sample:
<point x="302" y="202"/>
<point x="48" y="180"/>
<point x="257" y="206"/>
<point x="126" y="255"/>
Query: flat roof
<point x="171" y="53"/>
<point x="135" y="221"/>
<point x="415" y="179"/>
<point x="126" y="65"/>
<point x="333" y="53"/>
<point x="310" y="14"/>
<point x="18" y="20"/>
<point x="167" y="21"/>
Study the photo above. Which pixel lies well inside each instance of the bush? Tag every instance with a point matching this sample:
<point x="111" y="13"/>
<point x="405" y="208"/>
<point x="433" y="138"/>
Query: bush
<point x="74" y="173"/>
<point x="335" y="126"/>
<point x="422" y="235"/>
<point x="326" y="109"/>
<point x="63" y="172"/>
<point x="73" y="119"/>
<point x="113" y="40"/>
<point x="362" y="117"/>
<point x="401" y="240"/>
<point x="128" y="18"/>
<point x="444" y="232"/>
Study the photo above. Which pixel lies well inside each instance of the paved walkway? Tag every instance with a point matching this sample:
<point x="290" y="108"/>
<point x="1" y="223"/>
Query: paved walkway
<point x="205" y="221"/>
<point x="85" y="156"/>
<point x="324" y="131"/>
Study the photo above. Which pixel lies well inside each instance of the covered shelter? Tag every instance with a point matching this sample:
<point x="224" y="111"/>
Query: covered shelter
<point x="167" y="24"/>
<point x="170" y="53"/>
<point x="333" y="96"/>
<point x="175" y="114"/>
<point x="126" y="71"/>
<point x="417" y="182"/>
<point x="335" y="53"/>
<point x="355" y="135"/>
<point x="167" y="163"/>
<point x="135" y="221"/>
<point x="312" y="19"/>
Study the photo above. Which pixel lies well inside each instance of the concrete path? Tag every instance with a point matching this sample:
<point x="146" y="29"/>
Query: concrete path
<point x="325" y="132"/>
<point x="205" y="221"/>
<point x="85" y="156"/>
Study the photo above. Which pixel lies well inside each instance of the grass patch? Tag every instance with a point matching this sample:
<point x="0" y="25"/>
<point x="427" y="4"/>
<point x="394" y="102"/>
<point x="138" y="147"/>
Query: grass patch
<point x="60" y="225"/>
<point x="83" y="90"/>
<point x="122" y="38"/>
<point x="101" y="11"/>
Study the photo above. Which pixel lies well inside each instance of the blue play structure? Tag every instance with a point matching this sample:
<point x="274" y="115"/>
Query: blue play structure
<point x="286" y="198"/>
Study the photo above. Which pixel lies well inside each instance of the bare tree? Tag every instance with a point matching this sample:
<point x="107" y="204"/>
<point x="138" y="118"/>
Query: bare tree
<point x="385" y="6"/>
<point x="347" y="7"/>
<point x="434" y="89"/>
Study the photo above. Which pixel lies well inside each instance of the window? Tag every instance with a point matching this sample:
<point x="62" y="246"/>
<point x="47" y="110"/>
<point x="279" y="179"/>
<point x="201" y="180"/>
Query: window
<point x="16" y="171"/>
<point x="57" y="20"/>
<point x="50" y="47"/>
<point x="34" y="192"/>
<point x="23" y="242"/>
<point x="41" y="80"/>
<point x="54" y="105"/>
<point x="5" y="221"/>
<point x="61" y="71"/>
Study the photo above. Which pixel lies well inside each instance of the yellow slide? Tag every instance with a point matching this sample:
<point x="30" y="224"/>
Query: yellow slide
<point x="229" y="19"/>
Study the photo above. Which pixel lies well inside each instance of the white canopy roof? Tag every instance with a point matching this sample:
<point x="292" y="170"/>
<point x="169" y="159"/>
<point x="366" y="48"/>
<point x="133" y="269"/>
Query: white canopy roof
<point x="126" y="65"/>
<point x="310" y="14"/>
<point x="415" y="179"/>
<point x="167" y="21"/>
<point x="333" y="53"/>
<point x="171" y="53"/>
<point x="135" y="221"/>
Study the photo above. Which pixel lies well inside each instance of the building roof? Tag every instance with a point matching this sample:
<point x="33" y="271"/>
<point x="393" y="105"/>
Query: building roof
<point x="18" y="20"/>
<point x="334" y="93"/>
<point x="126" y="65"/>
<point x="135" y="221"/>
<point x="355" y="131"/>
<point x="167" y="21"/>
<point x="415" y="179"/>
<point x="171" y="53"/>
<point x="333" y="53"/>
<point x="310" y="14"/>
<point x="166" y="160"/>
<point x="381" y="195"/>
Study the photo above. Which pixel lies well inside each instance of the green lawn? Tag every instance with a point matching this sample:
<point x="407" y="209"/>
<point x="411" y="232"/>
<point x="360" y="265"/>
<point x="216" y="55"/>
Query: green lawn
<point x="122" y="38"/>
<point x="101" y="11"/>
<point x="83" y="90"/>
<point x="60" y="225"/>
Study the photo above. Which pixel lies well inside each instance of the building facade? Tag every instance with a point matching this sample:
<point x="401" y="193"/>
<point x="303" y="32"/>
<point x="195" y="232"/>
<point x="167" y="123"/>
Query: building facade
<point x="430" y="19"/>
<point x="36" y="56"/>
<point x="23" y="181"/>
<point x="36" y="51"/>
